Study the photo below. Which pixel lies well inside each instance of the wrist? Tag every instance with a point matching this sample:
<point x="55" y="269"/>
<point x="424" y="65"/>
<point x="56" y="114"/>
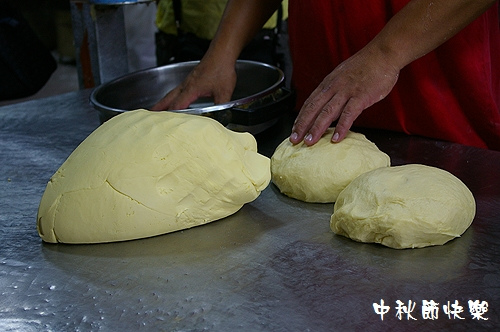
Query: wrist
<point x="392" y="50"/>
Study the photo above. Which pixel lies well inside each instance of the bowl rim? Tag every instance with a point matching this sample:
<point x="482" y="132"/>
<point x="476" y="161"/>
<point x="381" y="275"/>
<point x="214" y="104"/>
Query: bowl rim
<point x="207" y="109"/>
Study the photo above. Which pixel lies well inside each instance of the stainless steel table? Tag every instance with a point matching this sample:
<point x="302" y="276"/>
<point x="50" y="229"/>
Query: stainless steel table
<point x="273" y="266"/>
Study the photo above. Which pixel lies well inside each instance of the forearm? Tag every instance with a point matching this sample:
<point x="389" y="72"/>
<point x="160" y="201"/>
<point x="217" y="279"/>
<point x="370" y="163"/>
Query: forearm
<point x="423" y="25"/>
<point x="242" y="19"/>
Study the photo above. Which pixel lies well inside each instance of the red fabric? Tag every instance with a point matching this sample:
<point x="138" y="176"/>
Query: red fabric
<point x="452" y="93"/>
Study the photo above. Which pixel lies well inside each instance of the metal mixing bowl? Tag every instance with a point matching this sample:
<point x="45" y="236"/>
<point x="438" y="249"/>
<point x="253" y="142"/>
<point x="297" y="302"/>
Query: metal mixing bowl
<point x="258" y="99"/>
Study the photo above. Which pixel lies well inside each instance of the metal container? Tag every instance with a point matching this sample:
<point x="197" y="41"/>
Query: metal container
<point x="258" y="101"/>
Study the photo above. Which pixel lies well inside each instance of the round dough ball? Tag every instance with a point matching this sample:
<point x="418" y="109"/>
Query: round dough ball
<point x="145" y="173"/>
<point x="410" y="206"/>
<point x="318" y="173"/>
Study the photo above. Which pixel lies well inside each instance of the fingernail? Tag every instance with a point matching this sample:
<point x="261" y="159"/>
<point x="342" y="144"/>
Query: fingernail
<point x="308" y="138"/>
<point x="335" y="137"/>
<point x="294" y="136"/>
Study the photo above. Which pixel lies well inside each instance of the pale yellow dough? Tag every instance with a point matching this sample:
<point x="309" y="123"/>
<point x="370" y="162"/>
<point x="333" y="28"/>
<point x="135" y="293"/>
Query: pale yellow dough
<point x="318" y="173"/>
<point x="145" y="173"/>
<point x="410" y="206"/>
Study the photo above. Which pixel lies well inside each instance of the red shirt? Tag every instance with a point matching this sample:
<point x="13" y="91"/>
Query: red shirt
<point x="452" y="93"/>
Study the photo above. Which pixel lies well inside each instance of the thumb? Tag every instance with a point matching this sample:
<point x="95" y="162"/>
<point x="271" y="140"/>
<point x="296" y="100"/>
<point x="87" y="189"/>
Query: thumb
<point x="221" y="97"/>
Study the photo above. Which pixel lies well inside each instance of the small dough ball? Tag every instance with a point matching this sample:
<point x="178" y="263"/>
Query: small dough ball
<point x="145" y="173"/>
<point x="318" y="173"/>
<point x="410" y="206"/>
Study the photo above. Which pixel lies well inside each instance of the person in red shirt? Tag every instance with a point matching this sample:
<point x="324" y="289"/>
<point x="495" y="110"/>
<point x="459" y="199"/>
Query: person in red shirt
<point x="423" y="67"/>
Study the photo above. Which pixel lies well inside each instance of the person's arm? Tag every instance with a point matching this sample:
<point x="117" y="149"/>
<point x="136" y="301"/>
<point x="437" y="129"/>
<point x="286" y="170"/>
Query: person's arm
<point x="370" y="74"/>
<point x="215" y="75"/>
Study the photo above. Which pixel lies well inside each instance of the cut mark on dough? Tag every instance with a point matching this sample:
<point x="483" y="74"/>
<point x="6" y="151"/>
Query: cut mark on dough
<point x="131" y="198"/>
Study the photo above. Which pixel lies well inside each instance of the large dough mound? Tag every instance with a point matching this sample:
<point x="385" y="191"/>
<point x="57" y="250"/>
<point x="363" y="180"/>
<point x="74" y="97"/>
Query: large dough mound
<point x="145" y="173"/>
<point x="318" y="173"/>
<point x="409" y="206"/>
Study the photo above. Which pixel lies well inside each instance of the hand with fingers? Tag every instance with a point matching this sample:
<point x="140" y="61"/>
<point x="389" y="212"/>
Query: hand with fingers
<point x="370" y="74"/>
<point x="357" y="83"/>
<point x="207" y="79"/>
<point x="215" y="75"/>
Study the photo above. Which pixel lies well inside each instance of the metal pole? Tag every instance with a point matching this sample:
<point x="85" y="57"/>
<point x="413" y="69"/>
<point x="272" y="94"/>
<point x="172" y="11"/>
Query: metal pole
<point x="100" y="40"/>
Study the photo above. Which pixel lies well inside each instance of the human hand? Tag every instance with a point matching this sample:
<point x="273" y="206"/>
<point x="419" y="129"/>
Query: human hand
<point x="207" y="79"/>
<point x="357" y="83"/>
